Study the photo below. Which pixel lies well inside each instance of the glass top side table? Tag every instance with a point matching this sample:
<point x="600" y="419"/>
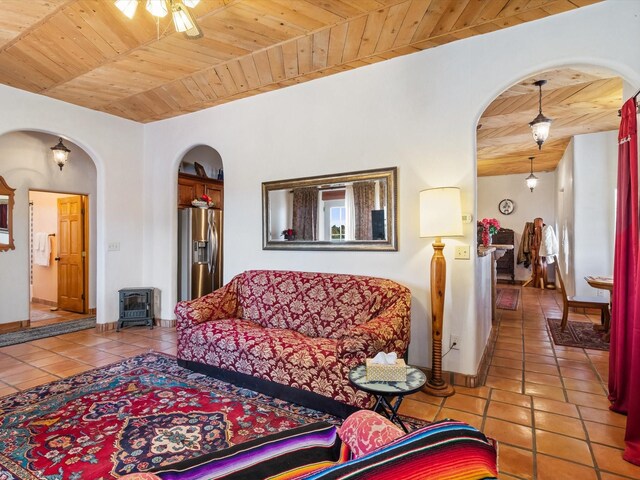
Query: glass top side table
<point x="381" y="390"/>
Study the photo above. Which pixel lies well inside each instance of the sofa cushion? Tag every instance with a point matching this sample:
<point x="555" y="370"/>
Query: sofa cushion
<point x="366" y="431"/>
<point x="314" y="304"/>
<point x="445" y="450"/>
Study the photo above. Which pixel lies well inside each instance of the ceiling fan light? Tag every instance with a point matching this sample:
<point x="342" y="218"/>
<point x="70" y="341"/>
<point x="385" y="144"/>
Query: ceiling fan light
<point x="181" y="17"/>
<point x="128" y="7"/>
<point x="191" y="3"/>
<point x="157" y="8"/>
<point x="540" y="128"/>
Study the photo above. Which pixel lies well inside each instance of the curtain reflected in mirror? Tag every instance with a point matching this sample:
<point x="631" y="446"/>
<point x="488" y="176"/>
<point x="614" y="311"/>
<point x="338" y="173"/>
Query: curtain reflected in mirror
<point x="350" y="211"/>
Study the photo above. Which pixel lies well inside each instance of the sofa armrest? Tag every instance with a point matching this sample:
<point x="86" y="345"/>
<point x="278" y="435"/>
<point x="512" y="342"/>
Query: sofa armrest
<point x="388" y="332"/>
<point x="217" y="305"/>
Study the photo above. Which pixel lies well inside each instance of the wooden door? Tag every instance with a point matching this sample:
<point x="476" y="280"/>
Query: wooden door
<point x="71" y="254"/>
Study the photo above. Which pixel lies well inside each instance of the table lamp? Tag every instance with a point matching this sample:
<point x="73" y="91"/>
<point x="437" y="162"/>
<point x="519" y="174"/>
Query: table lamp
<point x="440" y="216"/>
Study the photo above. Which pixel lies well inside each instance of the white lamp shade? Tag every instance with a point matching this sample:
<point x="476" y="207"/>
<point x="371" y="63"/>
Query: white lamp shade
<point x="440" y="212"/>
<point x="157" y="8"/>
<point x="128" y="7"/>
<point x="181" y="18"/>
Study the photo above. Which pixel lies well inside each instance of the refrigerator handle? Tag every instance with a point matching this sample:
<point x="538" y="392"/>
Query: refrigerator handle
<point x="213" y="241"/>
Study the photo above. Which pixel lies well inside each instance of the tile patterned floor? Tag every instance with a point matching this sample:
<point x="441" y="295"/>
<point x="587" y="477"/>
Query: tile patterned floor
<point x="546" y="404"/>
<point x="41" y="314"/>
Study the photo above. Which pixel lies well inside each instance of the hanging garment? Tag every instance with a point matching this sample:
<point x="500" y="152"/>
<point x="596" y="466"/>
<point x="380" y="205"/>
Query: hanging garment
<point x="41" y="249"/>
<point x="549" y="243"/>
<point x="524" y="251"/>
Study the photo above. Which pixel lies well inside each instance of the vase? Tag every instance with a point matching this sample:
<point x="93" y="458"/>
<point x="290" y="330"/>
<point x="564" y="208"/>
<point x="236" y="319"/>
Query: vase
<point x="486" y="238"/>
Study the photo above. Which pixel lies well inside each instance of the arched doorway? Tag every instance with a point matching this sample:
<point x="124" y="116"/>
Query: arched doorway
<point x="200" y="222"/>
<point x="39" y="182"/>
<point x="583" y="103"/>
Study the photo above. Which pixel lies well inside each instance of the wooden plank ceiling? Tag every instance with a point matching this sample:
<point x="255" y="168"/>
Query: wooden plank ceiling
<point x="579" y="101"/>
<point x="88" y="53"/>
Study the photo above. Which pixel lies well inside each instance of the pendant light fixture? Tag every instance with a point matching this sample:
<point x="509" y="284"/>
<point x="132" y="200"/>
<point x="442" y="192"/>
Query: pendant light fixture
<point x="183" y="21"/>
<point x="60" y="154"/>
<point x="532" y="180"/>
<point x="541" y="124"/>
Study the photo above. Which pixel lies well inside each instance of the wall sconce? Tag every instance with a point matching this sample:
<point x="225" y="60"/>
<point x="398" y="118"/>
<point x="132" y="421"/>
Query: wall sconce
<point x="60" y="154"/>
<point x="532" y="180"/>
<point x="540" y="125"/>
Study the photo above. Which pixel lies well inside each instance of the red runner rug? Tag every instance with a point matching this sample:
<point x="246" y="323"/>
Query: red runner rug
<point x="132" y="416"/>
<point x="507" y="298"/>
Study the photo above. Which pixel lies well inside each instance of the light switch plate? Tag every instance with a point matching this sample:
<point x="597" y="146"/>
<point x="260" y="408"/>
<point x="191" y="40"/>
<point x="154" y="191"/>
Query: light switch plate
<point x="113" y="246"/>
<point x="462" y="252"/>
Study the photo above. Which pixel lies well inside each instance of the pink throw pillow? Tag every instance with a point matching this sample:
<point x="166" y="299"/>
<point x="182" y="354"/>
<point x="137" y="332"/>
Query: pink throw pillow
<point x="365" y="431"/>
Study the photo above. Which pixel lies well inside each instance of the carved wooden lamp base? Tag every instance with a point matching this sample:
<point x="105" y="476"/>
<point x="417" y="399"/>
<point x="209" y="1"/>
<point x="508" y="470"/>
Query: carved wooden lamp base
<point x="436" y="385"/>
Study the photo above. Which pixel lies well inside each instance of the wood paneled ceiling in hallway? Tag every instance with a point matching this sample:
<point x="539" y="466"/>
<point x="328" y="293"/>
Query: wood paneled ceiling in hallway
<point x="579" y="100"/>
<point x="88" y="53"/>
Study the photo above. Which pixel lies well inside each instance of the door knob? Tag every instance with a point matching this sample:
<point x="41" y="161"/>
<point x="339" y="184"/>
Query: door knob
<point x="57" y="259"/>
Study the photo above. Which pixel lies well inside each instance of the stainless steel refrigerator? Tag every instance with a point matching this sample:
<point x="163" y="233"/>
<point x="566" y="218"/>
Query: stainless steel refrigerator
<point x="200" y="252"/>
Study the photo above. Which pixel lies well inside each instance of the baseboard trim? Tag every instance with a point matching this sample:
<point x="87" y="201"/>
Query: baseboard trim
<point x="480" y="377"/>
<point x="162" y="322"/>
<point x="105" y="327"/>
<point x="44" y="302"/>
<point x="14" y="326"/>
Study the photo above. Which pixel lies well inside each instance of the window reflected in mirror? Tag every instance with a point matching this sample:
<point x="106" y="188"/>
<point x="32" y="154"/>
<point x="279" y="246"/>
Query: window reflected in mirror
<point x="350" y="211"/>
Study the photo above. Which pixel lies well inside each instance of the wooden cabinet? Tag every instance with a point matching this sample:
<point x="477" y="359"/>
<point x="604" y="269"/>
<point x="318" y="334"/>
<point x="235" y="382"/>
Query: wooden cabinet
<point x="192" y="187"/>
<point x="505" y="264"/>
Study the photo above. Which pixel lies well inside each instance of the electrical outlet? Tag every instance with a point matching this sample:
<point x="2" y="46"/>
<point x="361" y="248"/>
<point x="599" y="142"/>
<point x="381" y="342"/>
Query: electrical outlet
<point x="462" y="252"/>
<point x="113" y="246"/>
<point x="454" y="342"/>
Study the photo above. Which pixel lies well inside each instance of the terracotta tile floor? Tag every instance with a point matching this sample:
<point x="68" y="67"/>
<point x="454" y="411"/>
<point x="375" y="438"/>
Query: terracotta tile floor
<point x="41" y="315"/>
<point x="545" y="404"/>
<point x="29" y="364"/>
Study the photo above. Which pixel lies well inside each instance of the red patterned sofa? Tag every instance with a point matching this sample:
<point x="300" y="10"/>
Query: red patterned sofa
<point x="294" y="335"/>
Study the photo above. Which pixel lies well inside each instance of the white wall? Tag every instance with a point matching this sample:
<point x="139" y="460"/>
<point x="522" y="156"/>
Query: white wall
<point x="115" y="146"/>
<point x="418" y="112"/>
<point x="528" y="205"/>
<point x="565" y="216"/>
<point x="589" y="175"/>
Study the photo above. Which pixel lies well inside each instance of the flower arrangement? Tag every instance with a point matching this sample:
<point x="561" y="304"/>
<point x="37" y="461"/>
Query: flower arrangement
<point x="289" y="234"/>
<point x="490" y="226"/>
<point x="205" y="201"/>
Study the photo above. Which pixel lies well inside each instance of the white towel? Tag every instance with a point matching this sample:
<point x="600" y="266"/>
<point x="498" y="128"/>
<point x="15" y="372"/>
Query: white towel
<point x="549" y="243"/>
<point x="41" y="249"/>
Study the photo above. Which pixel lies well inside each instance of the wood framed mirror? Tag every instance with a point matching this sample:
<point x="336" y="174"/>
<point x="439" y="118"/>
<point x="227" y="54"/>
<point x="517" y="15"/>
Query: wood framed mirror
<point x="6" y="216"/>
<point x="345" y="211"/>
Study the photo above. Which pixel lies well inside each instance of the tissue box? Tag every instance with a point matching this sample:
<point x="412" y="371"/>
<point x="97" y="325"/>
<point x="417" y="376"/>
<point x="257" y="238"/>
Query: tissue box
<point x="386" y="373"/>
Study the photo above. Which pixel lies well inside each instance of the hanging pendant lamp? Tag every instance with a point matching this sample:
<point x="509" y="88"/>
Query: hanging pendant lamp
<point x="532" y="180"/>
<point x="60" y="154"/>
<point x="541" y="124"/>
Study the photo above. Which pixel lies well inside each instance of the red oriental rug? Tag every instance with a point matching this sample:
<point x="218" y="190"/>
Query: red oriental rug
<point x="507" y="298"/>
<point x="132" y="416"/>
<point x="577" y="334"/>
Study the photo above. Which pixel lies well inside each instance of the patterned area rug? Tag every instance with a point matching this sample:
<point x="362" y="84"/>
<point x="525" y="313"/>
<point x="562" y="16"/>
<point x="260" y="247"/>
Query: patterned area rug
<point x="132" y="416"/>
<point x="36" y="333"/>
<point x="577" y="334"/>
<point x="507" y="298"/>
